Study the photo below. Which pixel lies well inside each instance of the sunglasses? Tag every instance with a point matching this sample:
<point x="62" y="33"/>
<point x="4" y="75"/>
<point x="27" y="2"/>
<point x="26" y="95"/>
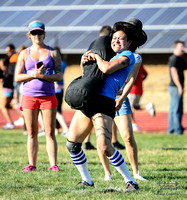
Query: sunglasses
<point x="37" y="32"/>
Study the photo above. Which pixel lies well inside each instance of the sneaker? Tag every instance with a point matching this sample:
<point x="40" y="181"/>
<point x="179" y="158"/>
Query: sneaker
<point x="150" y="108"/>
<point x="135" y="127"/>
<point x="84" y="183"/>
<point x="24" y="132"/>
<point x="118" y="146"/>
<point x="139" y="177"/>
<point x="64" y="134"/>
<point x="130" y="186"/>
<point x="29" y="168"/>
<point x="54" y="168"/>
<point x="41" y="133"/>
<point x="88" y="146"/>
<point x="108" y="177"/>
<point x="8" y="126"/>
<point x="19" y="122"/>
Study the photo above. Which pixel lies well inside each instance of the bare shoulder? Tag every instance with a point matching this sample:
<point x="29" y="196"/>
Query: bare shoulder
<point x="23" y="54"/>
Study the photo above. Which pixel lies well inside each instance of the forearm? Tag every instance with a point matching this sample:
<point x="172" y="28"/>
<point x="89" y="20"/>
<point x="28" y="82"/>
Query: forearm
<point x="113" y="65"/>
<point x="23" y="77"/>
<point x="104" y="66"/>
<point x="130" y="80"/>
<point x="127" y="89"/>
<point x="51" y="78"/>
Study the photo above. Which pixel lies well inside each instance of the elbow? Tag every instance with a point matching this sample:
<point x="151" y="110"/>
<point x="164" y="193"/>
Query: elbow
<point x="60" y="76"/>
<point x="16" y="79"/>
<point x="106" y="71"/>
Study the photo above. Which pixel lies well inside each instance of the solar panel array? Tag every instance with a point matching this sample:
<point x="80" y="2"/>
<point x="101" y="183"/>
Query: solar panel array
<point x="74" y="24"/>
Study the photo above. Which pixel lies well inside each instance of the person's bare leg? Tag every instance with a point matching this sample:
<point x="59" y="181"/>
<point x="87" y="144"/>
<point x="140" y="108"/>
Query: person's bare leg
<point x="40" y="119"/>
<point x="87" y="139"/>
<point x="49" y="119"/>
<point x="105" y="162"/>
<point x="31" y="121"/>
<point x="79" y="128"/>
<point x="114" y="133"/>
<point x="62" y="121"/>
<point x="124" y="125"/>
<point x="103" y="127"/>
<point x="5" y="102"/>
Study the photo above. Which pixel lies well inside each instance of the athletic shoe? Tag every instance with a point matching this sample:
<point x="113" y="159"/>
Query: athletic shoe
<point x="54" y="168"/>
<point x="88" y="146"/>
<point x="24" y="132"/>
<point x="150" y="108"/>
<point x="64" y="134"/>
<point x="139" y="177"/>
<point x="8" y="126"/>
<point x="118" y="146"/>
<point x="29" y="168"/>
<point x="19" y="122"/>
<point x="130" y="186"/>
<point x="86" y="184"/>
<point x="41" y="133"/>
<point x="108" y="177"/>
<point x="135" y="127"/>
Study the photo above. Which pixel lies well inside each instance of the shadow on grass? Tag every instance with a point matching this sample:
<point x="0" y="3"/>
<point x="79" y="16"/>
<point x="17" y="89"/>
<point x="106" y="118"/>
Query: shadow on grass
<point x="111" y="190"/>
<point x="83" y="189"/>
<point x="171" y="170"/>
<point x="174" y="149"/>
<point x="168" y="176"/>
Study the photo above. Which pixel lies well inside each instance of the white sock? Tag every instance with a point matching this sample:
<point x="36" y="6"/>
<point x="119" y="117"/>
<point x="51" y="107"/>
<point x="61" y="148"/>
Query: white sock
<point x="81" y="163"/>
<point x="119" y="163"/>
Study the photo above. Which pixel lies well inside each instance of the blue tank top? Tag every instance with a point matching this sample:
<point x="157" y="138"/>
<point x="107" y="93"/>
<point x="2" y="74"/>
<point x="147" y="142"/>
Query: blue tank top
<point x="116" y="80"/>
<point x="38" y="87"/>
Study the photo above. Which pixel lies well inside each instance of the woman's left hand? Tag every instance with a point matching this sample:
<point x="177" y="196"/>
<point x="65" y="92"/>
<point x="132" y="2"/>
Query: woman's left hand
<point x="92" y="56"/>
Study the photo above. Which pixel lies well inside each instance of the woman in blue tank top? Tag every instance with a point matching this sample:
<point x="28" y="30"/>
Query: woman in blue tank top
<point x="35" y="68"/>
<point x="101" y="111"/>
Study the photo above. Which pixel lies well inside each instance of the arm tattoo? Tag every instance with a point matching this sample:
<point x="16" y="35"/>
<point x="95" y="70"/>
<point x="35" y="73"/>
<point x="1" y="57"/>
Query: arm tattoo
<point x="126" y="62"/>
<point x="57" y="61"/>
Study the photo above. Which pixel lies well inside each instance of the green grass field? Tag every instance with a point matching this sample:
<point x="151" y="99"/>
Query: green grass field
<point x="162" y="160"/>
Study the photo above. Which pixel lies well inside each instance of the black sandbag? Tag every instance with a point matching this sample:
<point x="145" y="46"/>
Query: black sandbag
<point x="85" y="88"/>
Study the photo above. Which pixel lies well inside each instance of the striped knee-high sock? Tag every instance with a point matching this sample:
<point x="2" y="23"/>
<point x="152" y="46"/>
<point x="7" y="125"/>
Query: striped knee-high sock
<point x="119" y="163"/>
<point x="80" y="162"/>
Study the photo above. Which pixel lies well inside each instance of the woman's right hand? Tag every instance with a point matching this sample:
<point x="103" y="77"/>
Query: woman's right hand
<point x="37" y="72"/>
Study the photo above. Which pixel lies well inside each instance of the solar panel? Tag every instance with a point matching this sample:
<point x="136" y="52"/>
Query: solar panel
<point x="73" y="24"/>
<point x="168" y="16"/>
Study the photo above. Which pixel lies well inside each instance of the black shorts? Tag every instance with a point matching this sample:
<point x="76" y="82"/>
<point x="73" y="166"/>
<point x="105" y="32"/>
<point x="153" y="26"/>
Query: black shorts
<point x="100" y="104"/>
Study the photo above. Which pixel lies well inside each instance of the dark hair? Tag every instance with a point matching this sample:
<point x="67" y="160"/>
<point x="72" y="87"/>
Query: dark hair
<point x="106" y="30"/>
<point x="131" y="33"/>
<point x="11" y="46"/>
<point x="177" y="42"/>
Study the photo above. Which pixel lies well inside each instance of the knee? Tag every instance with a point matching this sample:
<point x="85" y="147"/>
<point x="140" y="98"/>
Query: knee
<point x="128" y="138"/>
<point x="73" y="147"/>
<point x="103" y="149"/>
<point x="32" y="134"/>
